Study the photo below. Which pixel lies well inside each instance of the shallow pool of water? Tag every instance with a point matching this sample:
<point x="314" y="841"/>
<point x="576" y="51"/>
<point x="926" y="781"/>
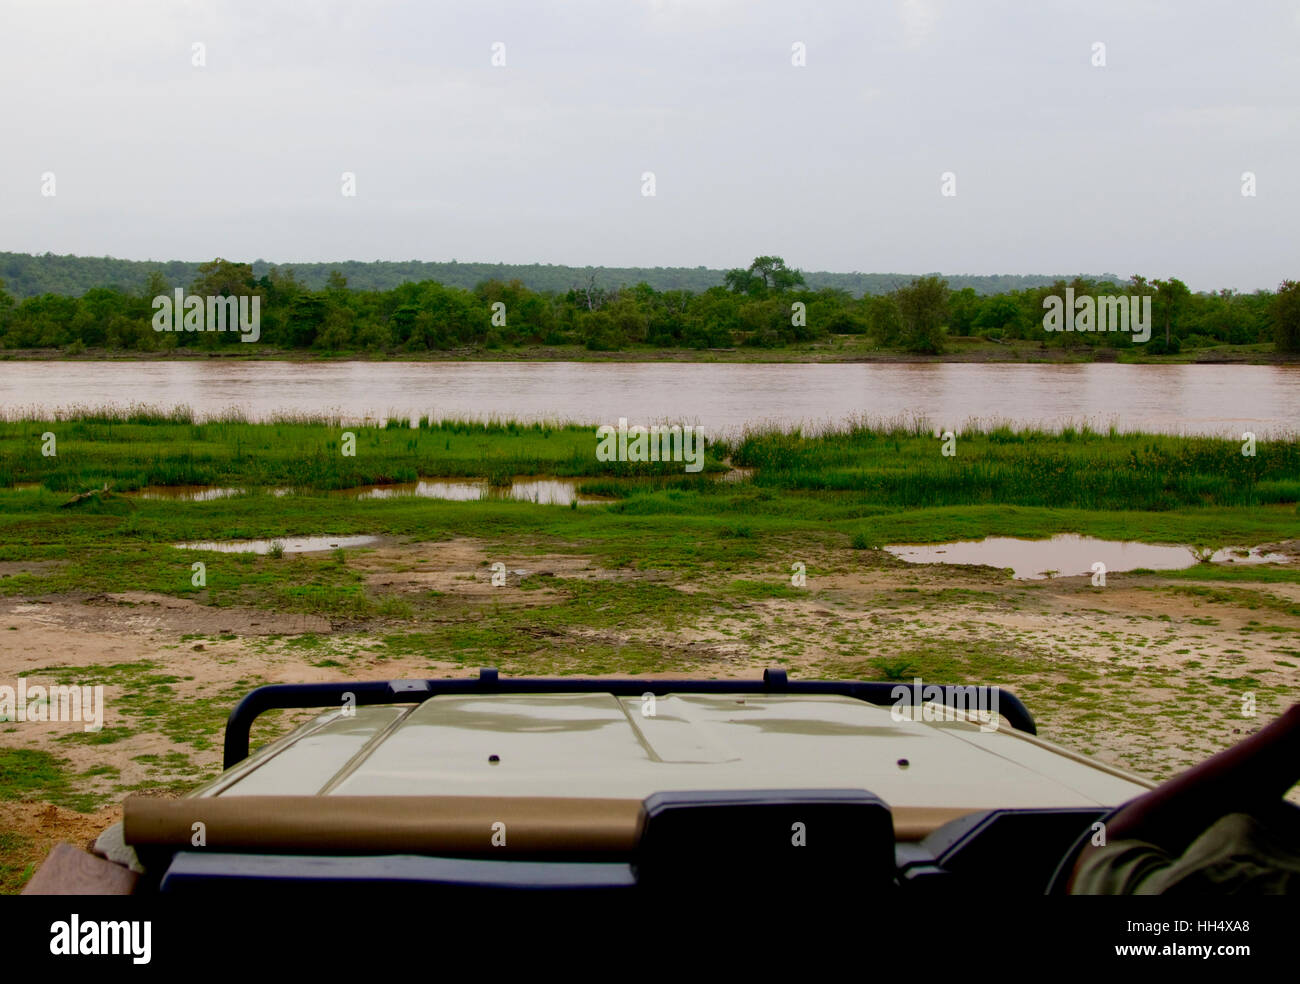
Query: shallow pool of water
<point x="291" y="544"/>
<point x="1068" y="554"/>
<point x="544" y="491"/>
<point x="184" y="493"/>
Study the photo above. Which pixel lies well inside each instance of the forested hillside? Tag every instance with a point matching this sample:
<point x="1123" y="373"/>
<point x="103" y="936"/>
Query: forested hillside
<point x="26" y="275"/>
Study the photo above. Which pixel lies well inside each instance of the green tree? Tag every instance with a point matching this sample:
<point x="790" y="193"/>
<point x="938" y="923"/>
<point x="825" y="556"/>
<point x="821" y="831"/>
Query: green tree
<point x="599" y="332"/>
<point x="766" y="274"/>
<point x="222" y="278"/>
<point x="767" y="322"/>
<point x="155" y="284"/>
<point x="710" y="320"/>
<point x="964" y="306"/>
<point x="885" y="321"/>
<point x="6" y="307"/>
<point x="1286" y="317"/>
<point x="335" y="333"/>
<point x="923" y="306"/>
<point x="1170" y="301"/>
<point x="999" y="316"/>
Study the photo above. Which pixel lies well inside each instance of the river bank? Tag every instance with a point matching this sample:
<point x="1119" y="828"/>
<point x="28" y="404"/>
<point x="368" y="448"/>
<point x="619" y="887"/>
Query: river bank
<point x="842" y="348"/>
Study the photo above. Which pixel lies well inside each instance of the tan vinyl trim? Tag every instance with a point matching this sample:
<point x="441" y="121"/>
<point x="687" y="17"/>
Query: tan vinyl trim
<point x="449" y="825"/>
<point x="914" y="823"/>
<point x="444" y="825"/>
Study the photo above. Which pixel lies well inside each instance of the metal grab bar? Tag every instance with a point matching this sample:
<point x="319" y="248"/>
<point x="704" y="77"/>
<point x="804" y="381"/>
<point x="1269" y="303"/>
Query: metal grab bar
<point x="775" y="681"/>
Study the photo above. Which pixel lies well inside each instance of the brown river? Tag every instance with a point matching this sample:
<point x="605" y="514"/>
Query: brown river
<point x="1208" y="399"/>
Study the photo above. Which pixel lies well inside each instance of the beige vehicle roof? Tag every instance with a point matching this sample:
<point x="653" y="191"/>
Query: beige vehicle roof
<point x="600" y="746"/>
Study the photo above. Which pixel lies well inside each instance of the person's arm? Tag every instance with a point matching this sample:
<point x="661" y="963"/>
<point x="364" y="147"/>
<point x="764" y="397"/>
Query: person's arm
<point x="1251" y="775"/>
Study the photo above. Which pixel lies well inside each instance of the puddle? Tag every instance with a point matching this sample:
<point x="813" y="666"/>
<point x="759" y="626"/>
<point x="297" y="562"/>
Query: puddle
<point x="433" y="489"/>
<point x="544" y="491"/>
<point x="184" y="493"/>
<point x="291" y="544"/>
<point x="1069" y="554"/>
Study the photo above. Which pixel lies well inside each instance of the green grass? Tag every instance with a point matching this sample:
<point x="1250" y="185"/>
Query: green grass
<point x="147" y="697"/>
<point x="901" y="464"/>
<point x="759" y="590"/>
<point x="27" y="774"/>
<point x="894" y="464"/>
<point x="693" y="532"/>
<point x="171" y="449"/>
<point x="1253" y="573"/>
<point x="1237" y="597"/>
<point x="13" y="874"/>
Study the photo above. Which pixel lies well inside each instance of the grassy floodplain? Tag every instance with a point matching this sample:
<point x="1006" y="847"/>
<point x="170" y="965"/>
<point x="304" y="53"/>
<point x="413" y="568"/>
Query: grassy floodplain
<point x="863" y="486"/>
<point x="675" y="573"/>
<point x="886" y="464"/>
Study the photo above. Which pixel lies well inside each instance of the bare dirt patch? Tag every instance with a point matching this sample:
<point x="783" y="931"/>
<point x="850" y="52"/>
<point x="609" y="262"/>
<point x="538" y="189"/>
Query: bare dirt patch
<point x="463" y="568"/>
<point x="8" y="568"/>
<point x="31" y="829"/>
<point x="142" y="612"/>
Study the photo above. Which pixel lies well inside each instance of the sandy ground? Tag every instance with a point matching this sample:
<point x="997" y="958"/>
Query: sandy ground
<point x="1148" y="664"/>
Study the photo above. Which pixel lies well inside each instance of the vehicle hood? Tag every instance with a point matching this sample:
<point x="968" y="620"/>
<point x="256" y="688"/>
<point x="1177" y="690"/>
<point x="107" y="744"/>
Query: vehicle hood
<point x="601" y="746"/>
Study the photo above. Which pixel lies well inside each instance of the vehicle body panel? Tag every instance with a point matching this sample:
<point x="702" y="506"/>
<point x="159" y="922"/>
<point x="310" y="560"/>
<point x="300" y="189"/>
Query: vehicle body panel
<point x="602" y="746"/>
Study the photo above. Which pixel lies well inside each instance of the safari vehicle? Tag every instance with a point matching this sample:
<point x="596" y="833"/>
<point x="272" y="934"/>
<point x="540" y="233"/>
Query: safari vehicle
<point x="621" y="788"/>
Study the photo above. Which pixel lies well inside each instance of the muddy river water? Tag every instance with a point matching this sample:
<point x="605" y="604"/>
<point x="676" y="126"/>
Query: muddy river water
<point x="1194" y="399"/>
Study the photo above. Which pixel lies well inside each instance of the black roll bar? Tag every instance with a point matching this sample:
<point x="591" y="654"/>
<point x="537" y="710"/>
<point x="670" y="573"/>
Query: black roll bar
<point x="775" y="681"/>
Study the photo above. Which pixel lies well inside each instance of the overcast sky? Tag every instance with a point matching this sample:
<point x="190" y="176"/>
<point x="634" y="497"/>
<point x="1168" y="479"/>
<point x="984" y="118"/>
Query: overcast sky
<point x="1060" y="165"/>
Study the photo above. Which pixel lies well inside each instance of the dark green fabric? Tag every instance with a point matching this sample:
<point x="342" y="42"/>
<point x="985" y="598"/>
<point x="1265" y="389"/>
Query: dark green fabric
<point x="1236" y="856"/>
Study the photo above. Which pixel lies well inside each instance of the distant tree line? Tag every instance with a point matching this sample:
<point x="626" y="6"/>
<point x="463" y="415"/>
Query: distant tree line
<point x="30" y="276"/>
<point x="767" y="304"/>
